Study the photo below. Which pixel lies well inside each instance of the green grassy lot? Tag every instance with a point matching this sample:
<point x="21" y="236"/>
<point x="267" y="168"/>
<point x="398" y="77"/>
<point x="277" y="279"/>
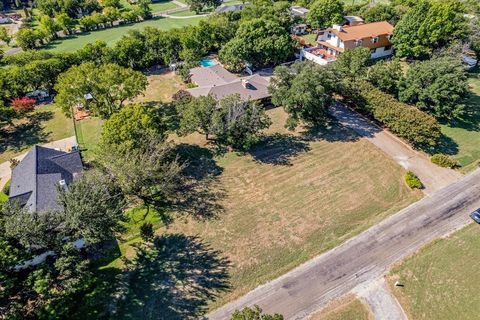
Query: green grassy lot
<point x="186" y="13"/>
<point x="88" y="135"/>
<point x="112" y="35"/>
<point x="155" y="6"/>
<point x="45" y="124"/>
<point x="307" y="192"/>
<point x="440" y="281"/>
<point x="464" y="134"/>
<point x="347" y="308"/>
<point x="310" y="38"/>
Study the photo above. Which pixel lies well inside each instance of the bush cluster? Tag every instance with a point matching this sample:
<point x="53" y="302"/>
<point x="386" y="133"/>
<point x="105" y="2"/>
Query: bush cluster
<point x="6" y="187"/>
<point x="443" y="160"/>
<point x="406" y="121"/>
<point x="412" y="180"/>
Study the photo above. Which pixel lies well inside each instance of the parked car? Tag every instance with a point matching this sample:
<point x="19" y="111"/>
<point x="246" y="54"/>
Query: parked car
<point x="475" y="215"/>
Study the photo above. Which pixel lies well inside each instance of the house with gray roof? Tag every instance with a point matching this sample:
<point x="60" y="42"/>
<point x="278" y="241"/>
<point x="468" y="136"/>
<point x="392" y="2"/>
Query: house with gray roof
<point x="231" y="8"/>
<point x="36" y="178"/>
<point x="219" y="83"/>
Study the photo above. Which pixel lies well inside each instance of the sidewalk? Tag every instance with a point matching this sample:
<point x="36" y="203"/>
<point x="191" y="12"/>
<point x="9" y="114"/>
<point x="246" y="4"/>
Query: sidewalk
<point x="64" y="145"/>
<point x="432" y="176"/>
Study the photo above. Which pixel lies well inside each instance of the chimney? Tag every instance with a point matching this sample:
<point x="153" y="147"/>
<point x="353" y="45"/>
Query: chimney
<point x="337" y="27"/>
<point x="245" y="83"/>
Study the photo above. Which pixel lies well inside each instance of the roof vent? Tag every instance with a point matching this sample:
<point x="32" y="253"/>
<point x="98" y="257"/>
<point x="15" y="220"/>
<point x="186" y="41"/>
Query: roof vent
<point x="337" y="27"/>
<point x="245" y="83"/>
<point x="62" y="183"/>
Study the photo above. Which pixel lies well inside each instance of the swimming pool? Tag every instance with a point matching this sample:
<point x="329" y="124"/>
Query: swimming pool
<point x="208" y="62"/>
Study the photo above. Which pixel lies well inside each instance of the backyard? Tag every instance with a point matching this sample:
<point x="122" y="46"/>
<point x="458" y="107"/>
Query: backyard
<point x="47" y="123"/>
<point x="440" y="281"/>
<point x="301" y="189"/>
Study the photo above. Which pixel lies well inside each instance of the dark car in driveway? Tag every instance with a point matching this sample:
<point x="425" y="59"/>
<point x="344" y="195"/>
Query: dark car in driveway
<point x="475" y="215"/>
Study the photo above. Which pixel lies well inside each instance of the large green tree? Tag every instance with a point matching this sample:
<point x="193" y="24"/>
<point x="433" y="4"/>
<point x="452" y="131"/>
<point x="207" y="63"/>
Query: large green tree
<point x="103" y="89"/>
<point x="259" y="42"/>
<point x="353" y="63"/>
<point x="438" y="86"/>
<point x="427" y="26"/>
<point x="196" y="114"/>
<point x="305" y="91"/>
<point x="386" y="75"/>
<point x="201" y="5"/>
<point x="128" y="128"/>
<point x="325" y="13"/>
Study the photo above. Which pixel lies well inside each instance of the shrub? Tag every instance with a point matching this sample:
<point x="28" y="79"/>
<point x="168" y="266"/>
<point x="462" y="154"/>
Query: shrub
<point x="406" y="121"/>
<point x="24" y="104"/>
<point x="6" y="187"/>
<point x="443" y="160"/>
<point x="412" y="180"/>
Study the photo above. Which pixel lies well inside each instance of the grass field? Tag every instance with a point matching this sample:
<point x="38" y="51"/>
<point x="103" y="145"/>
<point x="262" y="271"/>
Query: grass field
<point x="161" y="87"/>
<point x="464" y="134"/>
<point x="155" y="6"/>
<point x="112" y="35"/>
<point x="346" y="308"/>
<point x="441" y="280"/>
<point x="46" y="124"/>
<point x="88" y="136"/>
<point x="287" y="200"/>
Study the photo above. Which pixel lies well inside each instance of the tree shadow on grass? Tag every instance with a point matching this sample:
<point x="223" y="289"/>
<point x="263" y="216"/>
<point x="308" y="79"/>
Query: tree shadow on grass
<point x="279" y="149"/>
<point x="202" y="191"/>
<point x="175" y="278"/>
<point x="26" y="133"/>
<point x="333" y="131"/>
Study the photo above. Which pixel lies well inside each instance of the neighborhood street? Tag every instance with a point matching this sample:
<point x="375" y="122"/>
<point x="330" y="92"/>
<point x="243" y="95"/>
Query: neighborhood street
<point x="366" y="257"/>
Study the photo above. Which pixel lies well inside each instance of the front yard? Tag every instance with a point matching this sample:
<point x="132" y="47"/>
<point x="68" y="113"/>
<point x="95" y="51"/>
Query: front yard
<point x="286" y="201"/>
<point x="441" y="280"/>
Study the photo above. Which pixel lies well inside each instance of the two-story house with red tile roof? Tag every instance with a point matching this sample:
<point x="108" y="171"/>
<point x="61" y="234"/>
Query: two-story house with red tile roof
<point x="331" y="42"/>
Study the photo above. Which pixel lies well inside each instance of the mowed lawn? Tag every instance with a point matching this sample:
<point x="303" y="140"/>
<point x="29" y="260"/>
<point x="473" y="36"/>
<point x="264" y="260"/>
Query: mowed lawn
<point x="47" y="123"/>
<point x="291" y="200"/>
<point x="112" y="35"/>
<point x="464" y="134"/>
<point x="346" y="308"/>
<point x="441" y="280"/>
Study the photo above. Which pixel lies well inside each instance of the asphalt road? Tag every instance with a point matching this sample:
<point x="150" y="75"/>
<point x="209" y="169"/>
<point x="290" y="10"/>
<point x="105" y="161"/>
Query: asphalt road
<point x="365" y="257"/>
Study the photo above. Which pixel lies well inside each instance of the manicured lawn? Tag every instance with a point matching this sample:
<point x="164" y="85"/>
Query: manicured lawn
<point x="310" y="38"/>
<point x="347" y="308"/>
<point x="45" y="124"/>
<point x="112" y="35"/>
<point x="155" y="6"/>
<point x="3" y="197"/>
<point x="186" y="13"/>
<point x="161" y="87"/>
<point x="441" y="280"/>
<point x="279" y="205"/>
<point x="463" y="135"/>
<point x="88" y="135"/>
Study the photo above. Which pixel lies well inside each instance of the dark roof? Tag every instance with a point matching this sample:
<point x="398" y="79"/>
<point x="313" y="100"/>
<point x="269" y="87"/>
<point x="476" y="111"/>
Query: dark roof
<point x="235" y="7"/>
<point x="36" y="177"/>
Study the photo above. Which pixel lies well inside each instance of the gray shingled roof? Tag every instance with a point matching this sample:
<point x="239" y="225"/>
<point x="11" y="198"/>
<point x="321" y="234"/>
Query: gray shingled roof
<point x="211" y="76"/>
<point x="234" y="7"/>
<point x="218" y="82"/>
<point x="36" y="177"/>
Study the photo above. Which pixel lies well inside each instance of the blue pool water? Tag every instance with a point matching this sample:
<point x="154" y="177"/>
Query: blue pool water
<point x="208" y="63"/>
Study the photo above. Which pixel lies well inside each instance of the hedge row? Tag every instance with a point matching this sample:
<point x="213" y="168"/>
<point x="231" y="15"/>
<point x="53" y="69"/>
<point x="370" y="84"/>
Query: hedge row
<point x="402" y="119"/>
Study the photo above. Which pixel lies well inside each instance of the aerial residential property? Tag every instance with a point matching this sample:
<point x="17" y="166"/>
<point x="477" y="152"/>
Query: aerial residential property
<point x="333" y="41"/>
<point x="239" y="160"/>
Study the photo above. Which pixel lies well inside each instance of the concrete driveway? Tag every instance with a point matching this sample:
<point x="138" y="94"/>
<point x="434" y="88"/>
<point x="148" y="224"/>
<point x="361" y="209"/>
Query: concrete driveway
<point x="64" y="144"/>
<point x="366" y="257"/>
<point x="432" y="176"/>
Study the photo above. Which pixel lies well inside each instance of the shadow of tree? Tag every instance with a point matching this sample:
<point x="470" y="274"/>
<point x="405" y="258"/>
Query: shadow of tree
<point x="279" y="149"/>
<point x="202" y="191"/>
<point x="175" y="278"/>
<point x="333" y="131"/>
<point x="26" y="133"/>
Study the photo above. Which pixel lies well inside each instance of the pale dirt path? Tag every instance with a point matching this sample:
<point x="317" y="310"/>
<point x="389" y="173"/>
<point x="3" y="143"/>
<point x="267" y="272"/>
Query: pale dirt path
<point x="63" y="144"/>
<point x="366" y="257"/>
<point x="432" y="176"/>
<point x="382" y="304"/>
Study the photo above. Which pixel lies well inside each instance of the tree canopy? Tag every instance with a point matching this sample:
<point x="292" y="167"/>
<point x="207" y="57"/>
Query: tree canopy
<point x="437" y="86"/>
<point x="325" y="13"/>
<point x="109" y="86"/>
<point x="305" y="91"/>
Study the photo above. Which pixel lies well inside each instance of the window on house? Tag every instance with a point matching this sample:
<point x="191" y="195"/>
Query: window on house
<point x="329" y="35"/>
<point x="387" y="48"/>
<point x="359" y="42"/>
<point x="374" y="39"/>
